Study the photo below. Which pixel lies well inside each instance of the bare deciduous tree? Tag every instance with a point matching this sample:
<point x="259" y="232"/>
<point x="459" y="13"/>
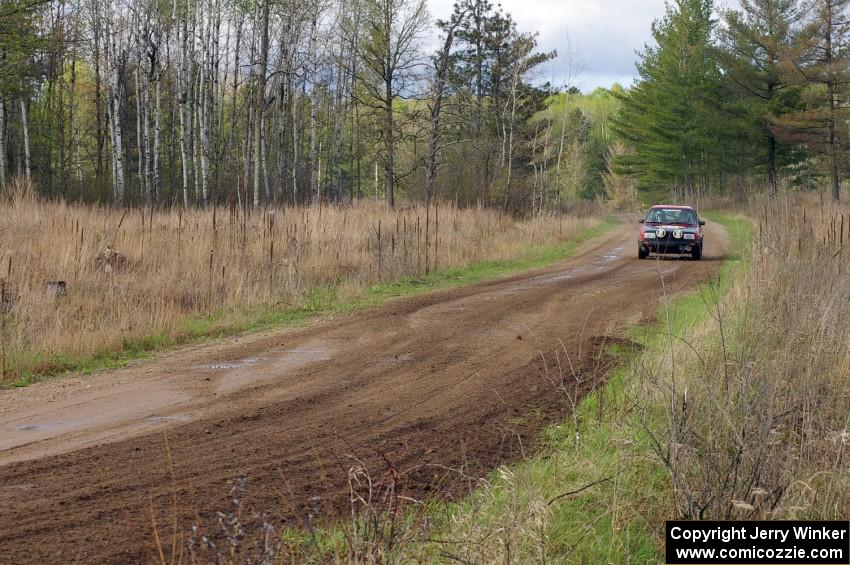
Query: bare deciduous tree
<point x="390" y="60"/>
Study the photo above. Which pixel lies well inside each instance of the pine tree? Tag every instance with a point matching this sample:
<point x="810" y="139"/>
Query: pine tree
<point x="754" y="43"/>
<point x="672" y="116"/>
<point x="821" y="63"/>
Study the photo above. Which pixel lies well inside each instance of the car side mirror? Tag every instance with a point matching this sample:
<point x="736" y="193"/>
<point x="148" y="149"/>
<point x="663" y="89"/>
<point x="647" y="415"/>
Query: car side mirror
<point x="640" y="221"/>
<point x="702" y="222"/>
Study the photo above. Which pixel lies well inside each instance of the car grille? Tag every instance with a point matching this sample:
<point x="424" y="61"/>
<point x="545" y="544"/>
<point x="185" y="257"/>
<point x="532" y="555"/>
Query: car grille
<point x="668" y="237"/>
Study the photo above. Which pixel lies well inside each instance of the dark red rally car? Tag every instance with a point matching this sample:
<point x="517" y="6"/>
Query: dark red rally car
<point x="671" y="229"/>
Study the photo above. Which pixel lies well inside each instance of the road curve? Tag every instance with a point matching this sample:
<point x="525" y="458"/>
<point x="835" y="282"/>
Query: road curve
<point x="454" y="379"/>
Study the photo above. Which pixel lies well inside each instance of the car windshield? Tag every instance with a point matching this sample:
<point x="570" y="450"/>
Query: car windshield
<point x="672" y="216"/>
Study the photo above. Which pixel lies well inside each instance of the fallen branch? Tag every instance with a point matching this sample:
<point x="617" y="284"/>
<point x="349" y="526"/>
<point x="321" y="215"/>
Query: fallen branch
<point x="584" y="488"/>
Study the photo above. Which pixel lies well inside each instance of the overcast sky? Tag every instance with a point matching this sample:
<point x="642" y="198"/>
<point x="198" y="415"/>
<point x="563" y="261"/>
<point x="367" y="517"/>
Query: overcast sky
<point x="602" y="35"/>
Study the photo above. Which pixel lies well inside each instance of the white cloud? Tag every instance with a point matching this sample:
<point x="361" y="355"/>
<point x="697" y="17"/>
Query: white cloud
<point x="602" y="35"/>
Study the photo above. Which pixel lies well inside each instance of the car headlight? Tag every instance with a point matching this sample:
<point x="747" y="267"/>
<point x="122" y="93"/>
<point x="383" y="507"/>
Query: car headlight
<point x="649" y="235"/>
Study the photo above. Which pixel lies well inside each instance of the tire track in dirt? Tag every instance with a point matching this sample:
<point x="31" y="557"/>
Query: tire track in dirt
<point x="417" y="388"/>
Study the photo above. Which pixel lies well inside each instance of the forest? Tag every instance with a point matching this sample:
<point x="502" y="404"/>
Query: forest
<point x="282" y="102"/>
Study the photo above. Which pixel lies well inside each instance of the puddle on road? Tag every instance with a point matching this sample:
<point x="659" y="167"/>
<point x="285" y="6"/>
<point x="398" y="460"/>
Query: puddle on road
<point x="403" y="358"/>
<point x="299" y="357"/>
<point x="614" y="254"/>
<point x="92" y="418"/>
<point x="235" y="364"/>
<point x="37" y="427"/>
<point x="496" y="294"/>
<point x="276" y="364"/>
<point x="173" y="418"/>
<point x="602" y="263"/>
<point x="566" y="274"/>
<point x="22" y="434"/>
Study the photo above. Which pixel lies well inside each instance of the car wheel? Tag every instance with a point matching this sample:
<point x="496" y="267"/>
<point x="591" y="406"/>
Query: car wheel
<point x="642" y="253"/>
<point x="696" y="253"/>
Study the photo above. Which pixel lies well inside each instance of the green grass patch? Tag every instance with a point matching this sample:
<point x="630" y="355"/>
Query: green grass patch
<point x="319" y="302"/>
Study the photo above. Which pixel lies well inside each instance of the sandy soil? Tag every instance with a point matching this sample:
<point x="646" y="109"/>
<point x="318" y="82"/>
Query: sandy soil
<point x="418" y="389"/>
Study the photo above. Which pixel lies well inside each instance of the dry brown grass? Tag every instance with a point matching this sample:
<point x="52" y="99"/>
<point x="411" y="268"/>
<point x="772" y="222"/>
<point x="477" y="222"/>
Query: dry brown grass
<point x="171" y="267"/>
<point x="751" y="411"/>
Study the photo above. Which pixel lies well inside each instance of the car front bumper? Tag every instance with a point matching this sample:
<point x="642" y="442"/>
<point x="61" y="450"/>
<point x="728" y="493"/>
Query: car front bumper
<point x="669" y="247"/>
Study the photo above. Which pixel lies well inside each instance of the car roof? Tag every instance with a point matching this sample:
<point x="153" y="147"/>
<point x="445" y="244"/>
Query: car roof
<point x="673" y="206"/>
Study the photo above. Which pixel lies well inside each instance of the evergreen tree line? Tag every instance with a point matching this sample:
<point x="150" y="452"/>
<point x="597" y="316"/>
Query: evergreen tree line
<point x="759" y="93"/>
<point x="257" y="102"/>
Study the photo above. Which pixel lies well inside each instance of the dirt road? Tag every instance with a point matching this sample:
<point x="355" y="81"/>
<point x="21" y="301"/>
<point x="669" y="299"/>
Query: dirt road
<point x="450" y="380"/>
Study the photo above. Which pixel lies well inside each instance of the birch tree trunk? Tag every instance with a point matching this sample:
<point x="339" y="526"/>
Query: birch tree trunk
<point x="181" y="102"/>
<point x="389" y="142"/>
<point x="117" y="143"/>
<point x="156" y="142"/>
<point x="79" y="144"/>
<point x="544" y="165"/>
<point x="561" y="153"/>
<point x="215" y="116"/>
<point x="2" y="144"/>
<point x="298" y="128"/>
<point x="146" y="133"/>
<point x="510" y="153"/>
<point x="191" y="114"/>
<point x="206" y="93"/>
<point x="204" y="133"/>
<point x="263" y="160"/>
<point x="140" y="136"/>
<point x="314" y="103"/>
<point x="261" y="101"/>
<point x="112" y="159"/>
<point x="339" y="122"/>
<point x="96" y="30"/>
<point x="26" y="133"/>
<point x="236" y="74"/>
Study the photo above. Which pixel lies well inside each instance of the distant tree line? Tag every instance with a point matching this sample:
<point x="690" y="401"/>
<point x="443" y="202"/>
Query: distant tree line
<point x="261" y="102"/>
